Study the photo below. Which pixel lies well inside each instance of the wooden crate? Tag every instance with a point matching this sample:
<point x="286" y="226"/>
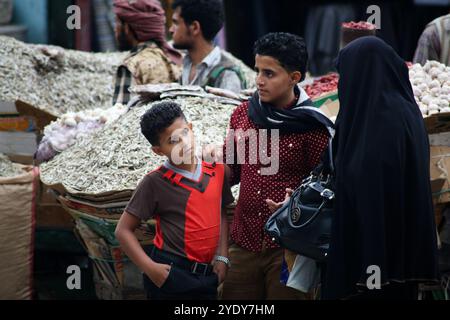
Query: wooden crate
<point x="439" y="122"/>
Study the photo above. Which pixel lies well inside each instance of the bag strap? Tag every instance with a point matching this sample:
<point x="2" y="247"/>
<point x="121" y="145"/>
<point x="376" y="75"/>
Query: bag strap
<point x="326" y="164"/>
<point x="217" y="71"/>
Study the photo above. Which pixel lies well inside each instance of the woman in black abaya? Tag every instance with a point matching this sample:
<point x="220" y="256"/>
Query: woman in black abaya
<point x="384" y="214"/>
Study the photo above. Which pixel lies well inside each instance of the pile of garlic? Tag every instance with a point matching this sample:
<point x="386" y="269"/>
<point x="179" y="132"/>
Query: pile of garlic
<point x="431" y="87"/>
<point x="64" y="132"/>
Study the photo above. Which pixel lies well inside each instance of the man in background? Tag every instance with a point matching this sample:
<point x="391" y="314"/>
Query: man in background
<point x="434" y="43"/>
<point x="195" y="24"/>
<point x="140" y="29"/>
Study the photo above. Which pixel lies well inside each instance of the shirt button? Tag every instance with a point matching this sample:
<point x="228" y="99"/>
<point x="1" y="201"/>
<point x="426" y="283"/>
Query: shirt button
<point x="259" y="191"/>
<point x="259" y="171"/>
<point x="290" y="145"/>
<point x="259" y="214"/>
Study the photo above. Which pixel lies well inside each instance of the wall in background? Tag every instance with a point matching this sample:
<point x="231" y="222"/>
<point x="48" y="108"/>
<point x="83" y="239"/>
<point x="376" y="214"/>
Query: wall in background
<point x="34" y="15"/>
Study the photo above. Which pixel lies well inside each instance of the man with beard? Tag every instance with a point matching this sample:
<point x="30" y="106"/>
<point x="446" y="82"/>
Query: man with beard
<point x="140" y="29"/>
<point x="195" y="24"/>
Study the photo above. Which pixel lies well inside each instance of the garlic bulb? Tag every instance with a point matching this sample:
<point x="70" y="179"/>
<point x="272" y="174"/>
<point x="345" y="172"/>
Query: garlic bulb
<point x="64" y="132"/>
<point x="431" y="87"/>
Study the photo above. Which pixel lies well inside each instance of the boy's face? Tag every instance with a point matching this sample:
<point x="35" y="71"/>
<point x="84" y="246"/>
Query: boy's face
<point x="274" y="82"/>
<point x="177" y="143"/>
<point x="181" y="33"/>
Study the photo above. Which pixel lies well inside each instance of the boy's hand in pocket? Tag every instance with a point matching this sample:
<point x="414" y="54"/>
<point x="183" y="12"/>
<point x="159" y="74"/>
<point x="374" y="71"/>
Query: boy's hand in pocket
<point x="159" y="274"/>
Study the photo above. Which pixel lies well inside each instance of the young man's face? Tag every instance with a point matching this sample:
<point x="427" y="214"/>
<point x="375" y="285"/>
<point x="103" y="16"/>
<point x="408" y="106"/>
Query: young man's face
<point x="274" y="83"/>
<point x="181" y="34"/>
<point x="177" y="143"/>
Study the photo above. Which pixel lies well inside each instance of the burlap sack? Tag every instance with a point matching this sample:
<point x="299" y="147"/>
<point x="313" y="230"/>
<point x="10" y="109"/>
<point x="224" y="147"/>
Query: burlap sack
<point x="17" y="216"/>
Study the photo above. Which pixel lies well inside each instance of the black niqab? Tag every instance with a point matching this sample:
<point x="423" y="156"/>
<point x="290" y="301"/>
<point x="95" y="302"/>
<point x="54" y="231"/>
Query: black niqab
<point x="384" y="213"/>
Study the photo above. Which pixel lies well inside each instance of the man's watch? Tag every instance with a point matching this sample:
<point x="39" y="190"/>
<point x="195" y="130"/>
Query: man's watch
<point x="224" y="260"/>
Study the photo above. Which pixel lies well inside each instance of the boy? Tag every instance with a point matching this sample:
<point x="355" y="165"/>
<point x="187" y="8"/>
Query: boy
<point x="278" y="105"/>
<point x="195" y="24"/>
<point x="185" y="196"/>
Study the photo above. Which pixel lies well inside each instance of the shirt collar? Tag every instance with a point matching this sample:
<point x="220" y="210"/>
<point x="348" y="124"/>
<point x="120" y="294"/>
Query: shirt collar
<point x="190" y="175"/>
<point x="212" y="59"/>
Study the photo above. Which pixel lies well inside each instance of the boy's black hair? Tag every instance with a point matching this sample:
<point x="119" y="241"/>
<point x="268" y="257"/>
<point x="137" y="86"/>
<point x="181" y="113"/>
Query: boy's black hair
<point x="288" y="49"/>
<point x="209" y="13"/>
<point x="159" y="117"/>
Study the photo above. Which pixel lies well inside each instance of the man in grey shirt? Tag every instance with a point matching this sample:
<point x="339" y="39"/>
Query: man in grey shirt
<point x="195" y="24"/>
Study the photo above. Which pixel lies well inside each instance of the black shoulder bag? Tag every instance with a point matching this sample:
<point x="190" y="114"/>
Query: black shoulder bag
<point x="303" y="224"/>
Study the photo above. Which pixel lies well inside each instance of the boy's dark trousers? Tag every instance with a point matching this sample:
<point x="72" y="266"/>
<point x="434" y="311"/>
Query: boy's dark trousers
<point x="186" y="280"/>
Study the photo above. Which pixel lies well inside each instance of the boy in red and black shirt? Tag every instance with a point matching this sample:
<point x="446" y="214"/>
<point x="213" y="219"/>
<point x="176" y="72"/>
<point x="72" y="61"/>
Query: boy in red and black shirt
<point x="186" y="197"/>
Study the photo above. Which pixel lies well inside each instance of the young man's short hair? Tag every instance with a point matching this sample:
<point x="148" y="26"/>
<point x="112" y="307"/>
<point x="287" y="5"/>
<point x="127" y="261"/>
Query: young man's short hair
<point x="288" y="49"/>
<point x="159" y="117"/>
<point x="209" y="13"/>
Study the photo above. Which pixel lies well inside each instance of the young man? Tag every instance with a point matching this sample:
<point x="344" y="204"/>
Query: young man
<point x="195" y="24"/>
<point x="185" y="196"/>
<point x="434" y="43"/>
<point x="278" y="105"/>
<point x="140" y="28"/>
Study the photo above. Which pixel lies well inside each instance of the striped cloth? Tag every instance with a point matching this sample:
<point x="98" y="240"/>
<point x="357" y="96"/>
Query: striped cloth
<point x="124" y="77"/>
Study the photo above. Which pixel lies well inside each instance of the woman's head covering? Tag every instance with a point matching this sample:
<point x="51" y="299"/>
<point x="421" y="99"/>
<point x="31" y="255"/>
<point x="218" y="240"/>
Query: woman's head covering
<point x="383" y="210"/>
<point x="147" y="20"/>
<point x="373" y="83"/>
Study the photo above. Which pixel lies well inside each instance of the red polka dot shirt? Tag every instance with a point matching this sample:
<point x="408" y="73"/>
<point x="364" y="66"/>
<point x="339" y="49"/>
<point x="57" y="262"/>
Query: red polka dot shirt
<point x="298" y="155"/>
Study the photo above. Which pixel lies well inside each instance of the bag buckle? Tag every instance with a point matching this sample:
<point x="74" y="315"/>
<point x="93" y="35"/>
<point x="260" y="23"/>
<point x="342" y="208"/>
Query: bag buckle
<point x="328" y="194"/>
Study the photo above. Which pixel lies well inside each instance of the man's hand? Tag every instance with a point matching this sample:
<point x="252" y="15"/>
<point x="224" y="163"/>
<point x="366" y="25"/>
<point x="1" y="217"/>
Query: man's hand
<point x="274" y="206"/>
<point x="221" y="269"/>
<point x="159" y="273"/>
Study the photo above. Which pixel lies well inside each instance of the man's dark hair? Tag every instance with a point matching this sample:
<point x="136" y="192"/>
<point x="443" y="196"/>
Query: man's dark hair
<point x="288" y="49"/>
<point x="159" y="117"/>
<point x="209" y="14"/>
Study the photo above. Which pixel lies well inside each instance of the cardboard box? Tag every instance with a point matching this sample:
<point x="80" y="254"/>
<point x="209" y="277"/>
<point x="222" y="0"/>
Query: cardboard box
<point x="53" y="216"/>
<point x="8" y="108"/>
<point x="325" y="98"/>
<point x="440" y="173"/>
<point x="331" y="109"/>
<point x="18" y="143"/>
<point x="438" y="122"/>
<point x="41" y="117"/>
<point x="18" y="123"/>
<point x="17" y="158"/>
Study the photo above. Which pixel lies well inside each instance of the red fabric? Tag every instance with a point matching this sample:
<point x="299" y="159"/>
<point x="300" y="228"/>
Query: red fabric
<point x="298" y="155"/>
<point x="203" y="212"/>
<point x="147" y="19"/>
<point x="36" y="174"/>
<point x="158" y="241"/>
<point x="202" y="216"/>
